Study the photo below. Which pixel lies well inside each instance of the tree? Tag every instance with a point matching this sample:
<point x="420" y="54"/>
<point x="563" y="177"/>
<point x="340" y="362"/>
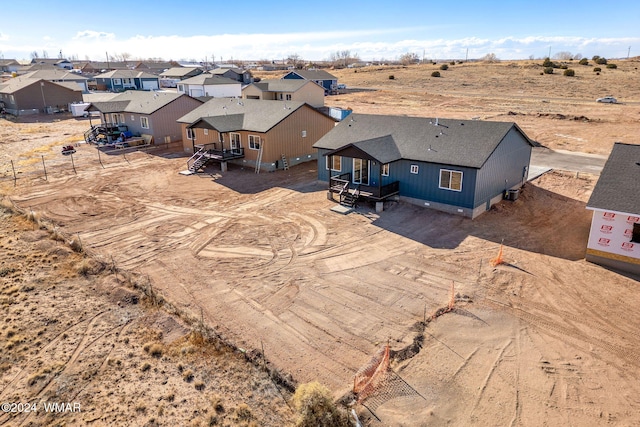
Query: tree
<point x="490" y="57"/>
<point x="343" y="58"/>
<point x="295" y="60"/>
<point x="409" y="58"/>
<point x="34" y="55"/>
<point x="563" y="56"/>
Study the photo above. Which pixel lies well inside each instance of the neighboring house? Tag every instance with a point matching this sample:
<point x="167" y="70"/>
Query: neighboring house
<point x="58" y="62"/>
<point x="456" y="166"/>
<point x="95" y="67"/>
<point x="321" y="77"/>
<point x="60" y="76"/>
<point x="145" y="113"/>
<point x="286" y="90"/>
<point x="237" y="74"/>
<point x="614" y="239"/>
<point x="206" y="84"/>
<point x="256" y="133"/>
<point x="154" y="67"/>
<point x="22" y="96"/>
<point x="173" y="76"/>
<point x="121" y="80"/>
<point x="9" y="66"/>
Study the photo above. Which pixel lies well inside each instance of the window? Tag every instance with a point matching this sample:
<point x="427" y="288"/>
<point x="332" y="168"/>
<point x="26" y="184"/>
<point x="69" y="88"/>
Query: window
<point x="206" y="131"/>
<point x="385" y="169"/>
<point x="144" y="122"/>
<point x="334" y="163"/>
<point x="122" y="120"/>
<point x="191" y="135"/>
<point x="450" y="180"/>
<point x="254" y="142"/>
<point x="414" y="169"/>
<point x="180" y="88"/>
<point x="235" y="142"/>
<point x="221" y="137"/>
<point x="635" y="235"/>
<point x="117" y="82"/>
<point x="288" y="97"/>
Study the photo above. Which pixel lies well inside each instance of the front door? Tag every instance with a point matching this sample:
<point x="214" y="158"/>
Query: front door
<point x="361" y="171"/>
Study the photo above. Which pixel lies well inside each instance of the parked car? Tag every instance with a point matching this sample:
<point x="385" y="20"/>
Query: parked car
<point x="607" y="99"/>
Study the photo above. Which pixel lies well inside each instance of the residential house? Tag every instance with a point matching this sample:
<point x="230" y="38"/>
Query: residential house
<point x="144" y="113"/>
<point x="9" y="66"/>
<point x="321" y="77"/>
<point x="614" y="238"/>
<point x="286" y="90"/>
<point x="153" y="67"/>
<point x="207" y="84"/>
<point x="21" y="95"/>
<point x="456" y="166"/>
<point x="59" y="75"/>
<point x="121" y="80"/>
<point x="173" y="76"/>
<point x="57" y="62"/>
<point x="97" y="67"/>
<point x="265" y="135"/>
<point x="233" y="73"/>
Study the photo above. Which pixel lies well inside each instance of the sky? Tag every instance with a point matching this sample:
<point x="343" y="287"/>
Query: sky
<point x="375" y="30"/>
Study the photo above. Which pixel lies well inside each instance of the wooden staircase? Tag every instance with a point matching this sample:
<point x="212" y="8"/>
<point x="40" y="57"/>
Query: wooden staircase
<point x="350" y="198"/>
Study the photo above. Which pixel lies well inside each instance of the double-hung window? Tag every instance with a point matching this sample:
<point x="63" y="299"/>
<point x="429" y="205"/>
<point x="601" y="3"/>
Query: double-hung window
<point x="254" y="142"/>
<point x="144" y="122"/>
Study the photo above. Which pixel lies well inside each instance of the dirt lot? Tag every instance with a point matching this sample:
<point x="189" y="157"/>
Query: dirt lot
<point x="543" y="339"/>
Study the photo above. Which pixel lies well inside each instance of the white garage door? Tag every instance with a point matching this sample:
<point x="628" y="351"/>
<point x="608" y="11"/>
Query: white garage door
<point x="196" y="92"/>
<point x="150" y="85"/>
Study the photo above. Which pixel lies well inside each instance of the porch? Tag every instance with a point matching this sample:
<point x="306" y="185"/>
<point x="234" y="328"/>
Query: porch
<point x="349" y="193"/>
<point x="210" y="152"/>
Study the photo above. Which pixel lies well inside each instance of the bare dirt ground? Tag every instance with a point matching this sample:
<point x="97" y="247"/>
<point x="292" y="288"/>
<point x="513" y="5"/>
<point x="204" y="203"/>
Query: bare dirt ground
<point x="543" y="339"/>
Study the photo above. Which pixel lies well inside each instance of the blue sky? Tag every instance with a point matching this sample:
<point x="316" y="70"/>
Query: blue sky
<point x="374" y="30"/>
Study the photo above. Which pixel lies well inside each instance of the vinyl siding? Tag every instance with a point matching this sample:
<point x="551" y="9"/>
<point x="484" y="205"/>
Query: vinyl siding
<point x="504" y="169"/>
<point x="38" y="97"/>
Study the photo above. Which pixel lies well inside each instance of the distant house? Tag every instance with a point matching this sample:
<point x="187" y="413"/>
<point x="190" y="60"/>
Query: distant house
<point x="233" y="73"/>
<point x="255" y="133"/>
<point x="152" y="67"/>
<point x="9" y="66"/>
<point x="97" y="67"/>
<point x="173" y="76"/>
<point x="614" y="238"/>
<point x="321" y="77"/>
<point x="286" y="90"/>
<point x="457" y="166"/>
<point x="21" y="96"/>
<point x="57" y="62"/>
<point x="145" y="113"/>
<point x="121" y="80"/>
<point x="59" y="75"/>
<point x="209" y="85"/>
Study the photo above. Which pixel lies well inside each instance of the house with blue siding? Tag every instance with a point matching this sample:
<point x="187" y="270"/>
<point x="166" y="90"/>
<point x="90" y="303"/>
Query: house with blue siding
<point x="327" y="81"/>
<point x="457" y="166"/>
<point x="121" y="80"/>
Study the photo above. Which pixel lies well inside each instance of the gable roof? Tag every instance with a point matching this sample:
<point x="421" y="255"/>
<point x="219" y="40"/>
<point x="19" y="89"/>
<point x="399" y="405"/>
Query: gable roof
<point x="217" y="71"/>
<point x="126" y="74"/>
<point x="314" y="74"/>
<point x="180" y="71"/>
<point x="447" y="141"/>
<point x="207" y="79"/>
<point x="55" y="74"/>
<point x="19" y="83"/>
<point x="134" y="101"/>
<point x="234" y="114"/>
<point x="283" y="85"/>
<point x="617" y="188"/>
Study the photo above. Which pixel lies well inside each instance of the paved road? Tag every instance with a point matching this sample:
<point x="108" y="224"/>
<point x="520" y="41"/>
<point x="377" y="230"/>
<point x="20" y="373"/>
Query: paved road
<point x="544" y="159"/>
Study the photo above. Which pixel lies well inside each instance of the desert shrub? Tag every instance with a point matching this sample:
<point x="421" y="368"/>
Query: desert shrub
<point x="597" y="69"/>
<point x="444" y="67"/>
<point x="601" y="61"/>
<point x="548" y="70"/>
<point x="392" y="77"/>
<point x="613" y="66"/>
<point x="547" y="63"/>
<point x="435" y="74"/>
<point x="569" y="72"/>
<point x="452" y="63"/>
<point x="187" y="375"/>
<point x="315" y="408"/>
<point x="584" y="61"/>
<point x="564" y="66"/>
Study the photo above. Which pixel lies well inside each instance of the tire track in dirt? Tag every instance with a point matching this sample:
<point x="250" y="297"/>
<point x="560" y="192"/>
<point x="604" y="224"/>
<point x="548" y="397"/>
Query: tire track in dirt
<point x="485" y="382"/>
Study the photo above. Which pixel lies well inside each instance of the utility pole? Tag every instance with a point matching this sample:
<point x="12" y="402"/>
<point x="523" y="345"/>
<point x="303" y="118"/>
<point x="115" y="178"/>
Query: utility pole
<point x="628" y="52"/>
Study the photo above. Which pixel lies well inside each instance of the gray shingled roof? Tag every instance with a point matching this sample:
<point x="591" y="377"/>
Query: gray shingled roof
<point x="125" y="74"/>
<point x="282" y="85"/>
<point x="241" y="114"/>
<point x="16" y="84"/>
<point x="134" y="101"/>
<point x="314" y="74"/>
<point x="208" y="80"/>
<point x="54" y="74"/>
<point x="618" y="188"/>
<point x="446" y="141"/>
<point x="178" y="71"/>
